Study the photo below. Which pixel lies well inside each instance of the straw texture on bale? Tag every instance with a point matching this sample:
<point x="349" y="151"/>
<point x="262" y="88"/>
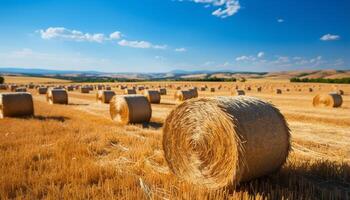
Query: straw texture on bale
<point x="104" y="96"/>
<point x="182" y="95"/>
<point x="57" y="96"/>
<point x="328" y="100"/>
<point x="129" y="91"/>
<point x="153" y="96"/>
<point x="214" y="142"/>
<point x="42" y="90"/>
<point x="162" y="91"/>
<point x="126" y="109"/>
<point x="16" y="105"/>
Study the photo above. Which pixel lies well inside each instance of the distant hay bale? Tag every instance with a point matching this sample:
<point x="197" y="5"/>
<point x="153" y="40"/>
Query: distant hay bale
<point x="140" y="88"/>
<point x="21" y="89"/>
<point x="3" y="87"/>
<point x="278" y="91"/>
<point x="194" y="92"/>
<point x="16" y="105"/>
<point x="85" y="90"/>
<point x="153" y="96"/>
<point x="70" y="88"/>
<point x="31" y="86"/>
<point x="42" y="90"/>
<point x="238" y="92"/>
<point x="57" y="96"/>
<point x="202" y="88"/>
<point x="212" y="89"/>
<point x="328" y="100"/>
<point x="126" y="109"/>
<point x="182" y="95"/>
<point x="129" y="91"/>
<point x="13" y="87"/>
<point x="104" y="96"/>
<point x="214" y="142"/>
<point x="340" y="92"/>
<point x="311" y="90"/>
<point x="162" y="91"/>
<point x="108" y="88"/>
<point x="258" y="89"/>
<point x="248" y="88"/>
<point x="100" y="87"/>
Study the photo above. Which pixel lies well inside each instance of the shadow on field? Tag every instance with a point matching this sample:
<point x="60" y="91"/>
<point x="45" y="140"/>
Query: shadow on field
<point x="55" y="118"/>
<point x="322" y="180"/>
<point x="155" y="125"/>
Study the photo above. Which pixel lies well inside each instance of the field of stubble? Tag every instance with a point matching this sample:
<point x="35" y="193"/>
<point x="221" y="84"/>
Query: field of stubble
<point x="75" y="151"/>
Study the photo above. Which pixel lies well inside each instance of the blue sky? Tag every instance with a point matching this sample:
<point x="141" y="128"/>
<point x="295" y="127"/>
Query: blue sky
<point x="163" y="35"/>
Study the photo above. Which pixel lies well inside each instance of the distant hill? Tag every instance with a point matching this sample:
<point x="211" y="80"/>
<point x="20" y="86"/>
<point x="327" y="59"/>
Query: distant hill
<point x="179" y="74"/>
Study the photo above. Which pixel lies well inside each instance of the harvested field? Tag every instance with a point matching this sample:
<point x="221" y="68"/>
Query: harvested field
<point x="76" y="151"/>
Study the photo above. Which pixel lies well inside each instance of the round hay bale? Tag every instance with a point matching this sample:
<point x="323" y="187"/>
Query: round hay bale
<point x="153" y="96"/>
<point x="311" y="90"/>
<point x="13" y="87"/>
<point x="238" y="92"/>
<point x="182" y="95"/>
<point x="340" y="92"/>
<point x="57" y="96"/>
<point x="21" y="89"/>
<point x="328" y="100"/>
<point x="202" y="88"/>
<point x="214" y="142"/>
<point x="3" y="87"/>
<point x="258" y="89"/>
<point x="194" y="92"/>
<point x="278" y="91"/>
<point x="126" y="109"/>
<point x="85" y="90"/>
<point x="162" y="91"/>
<point x="212" y="89"/>
<point x="70" y="88"/>
<point x="140" y="88"/>
<point x="42" y="90"/>
<point x="104" y="96"/>
<point x="108" y="88"/>
<point x="16" y="104"/>
<point x="129" y="91"/>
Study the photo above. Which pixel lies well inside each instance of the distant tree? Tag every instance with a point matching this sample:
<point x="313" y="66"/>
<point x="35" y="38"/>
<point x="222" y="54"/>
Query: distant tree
<point x="2" y="80"/>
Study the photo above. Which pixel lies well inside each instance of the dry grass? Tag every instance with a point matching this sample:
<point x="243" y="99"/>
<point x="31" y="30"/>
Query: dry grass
<point x="25" y="79"/>
<point x="76" y="151"/>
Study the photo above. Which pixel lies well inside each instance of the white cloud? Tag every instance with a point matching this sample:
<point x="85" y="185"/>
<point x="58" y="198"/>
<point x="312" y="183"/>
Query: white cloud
<point x="181" y="49"/>
<point x="330" y="37"/>
<point x="73" y="35"/>
<point x="280" y="20"/>
<point x="116" y="35"/>
<point x="226" y="8"/>
<point x="261" y="54"/>
<point x="140" y="44"/>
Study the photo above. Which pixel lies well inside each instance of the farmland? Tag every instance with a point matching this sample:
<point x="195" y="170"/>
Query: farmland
<point x="76" y="151"/>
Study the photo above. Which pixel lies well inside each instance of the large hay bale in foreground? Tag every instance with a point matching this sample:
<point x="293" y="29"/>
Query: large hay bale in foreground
<point x="328" y="100"/>
<point x="153" y="96"/>
<point x="57" y="96"/>
<point x="214" y="142"/>
<point x="104" y="96"/>
<point x="182" y="95"/>
<point x="130" y="91"/>
<point x="42" y="90"/>
<point x="16" y="105"/>
<point x="126" y="109"/>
